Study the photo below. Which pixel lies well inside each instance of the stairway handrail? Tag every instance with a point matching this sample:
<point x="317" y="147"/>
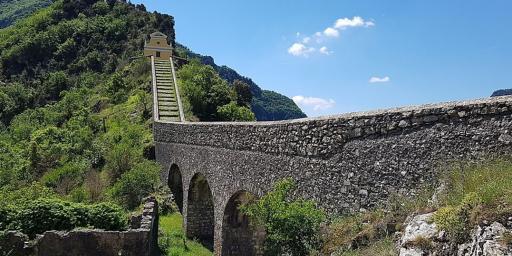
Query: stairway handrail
<point x="156" y="114"/>
<point x="178" y="98"/>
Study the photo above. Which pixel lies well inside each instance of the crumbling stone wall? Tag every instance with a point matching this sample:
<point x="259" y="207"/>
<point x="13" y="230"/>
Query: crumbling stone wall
<point x="140" y="240"/>
<point x="346" y="162"/>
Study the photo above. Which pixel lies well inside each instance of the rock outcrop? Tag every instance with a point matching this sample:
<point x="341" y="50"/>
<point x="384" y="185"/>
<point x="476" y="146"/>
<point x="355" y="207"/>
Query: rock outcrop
<point x="422" y="237"/>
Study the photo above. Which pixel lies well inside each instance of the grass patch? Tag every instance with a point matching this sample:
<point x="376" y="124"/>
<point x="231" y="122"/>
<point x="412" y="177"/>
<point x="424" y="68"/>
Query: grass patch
<point x="475" y="193"/>
<point x="384" y="247"/>
<point x="361" y="230"/>
<point x="172" y="239"/>
<point x="420" y="242"/>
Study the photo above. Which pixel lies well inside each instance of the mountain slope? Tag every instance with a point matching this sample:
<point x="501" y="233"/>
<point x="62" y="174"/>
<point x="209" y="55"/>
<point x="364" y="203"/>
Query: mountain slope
<point x="12" y="10"/>
<point x="502" y="92"/>
<point x="266" y="105"/>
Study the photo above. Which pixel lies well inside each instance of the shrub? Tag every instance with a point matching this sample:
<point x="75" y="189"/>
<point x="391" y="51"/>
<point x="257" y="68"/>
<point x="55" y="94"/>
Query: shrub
<point x="136" y="184"/>
<point x="66" y="177"/>
<point x="233" y="112"/>
<point x="506" y="239"/>
<point x="5" y="216"/>
<point x="45" y="214"/>
<point x="292" y="226"/>
<point x="54" y="214"/>
<point x="25" y="195"/>
<point x="107" y="216"/>
<point x="455" y="219"/>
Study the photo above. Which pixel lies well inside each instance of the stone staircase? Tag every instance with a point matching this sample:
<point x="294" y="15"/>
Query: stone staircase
<point x="168" y="107"/>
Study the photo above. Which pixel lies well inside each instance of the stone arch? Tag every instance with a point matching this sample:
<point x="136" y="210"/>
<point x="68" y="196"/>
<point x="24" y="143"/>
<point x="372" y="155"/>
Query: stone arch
<point x="175" y="183"/>
<point x="239" y="236"/>
<point x="200" y="211"/>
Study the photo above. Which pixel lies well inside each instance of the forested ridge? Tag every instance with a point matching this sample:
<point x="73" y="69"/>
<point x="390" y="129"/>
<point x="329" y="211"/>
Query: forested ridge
<point x="12" y="10"/>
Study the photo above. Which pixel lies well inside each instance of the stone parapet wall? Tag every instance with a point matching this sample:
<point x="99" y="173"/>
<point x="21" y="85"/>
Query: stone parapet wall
<point x="345" y="163"/>
<point x="324" y="137"/>
<point x="140" y="241"/>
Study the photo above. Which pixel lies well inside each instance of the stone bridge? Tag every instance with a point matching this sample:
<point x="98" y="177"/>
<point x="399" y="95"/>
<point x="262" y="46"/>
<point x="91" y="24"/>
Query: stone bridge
<point x="345" y="163"/>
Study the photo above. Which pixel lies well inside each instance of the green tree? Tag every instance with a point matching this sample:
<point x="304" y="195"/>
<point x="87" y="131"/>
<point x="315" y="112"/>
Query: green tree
<point x="233" y="112"/>
<point x="243" y="93"/>
<point x="136" y="184"/>
<point x="204" y="90"/>
<point x="292" y="226"/>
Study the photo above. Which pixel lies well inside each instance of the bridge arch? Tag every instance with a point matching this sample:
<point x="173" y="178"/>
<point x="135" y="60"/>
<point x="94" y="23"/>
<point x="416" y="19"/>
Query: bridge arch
<point x="175" y="183"/>
<point x="200" y="211"/>
<point x="239" y="235"/>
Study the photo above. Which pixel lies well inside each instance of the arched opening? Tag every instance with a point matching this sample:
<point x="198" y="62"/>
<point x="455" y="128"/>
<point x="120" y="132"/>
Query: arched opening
<point x="239" y="236"/>
<point x="200" y="212"/>
<point x="175" y="183"/>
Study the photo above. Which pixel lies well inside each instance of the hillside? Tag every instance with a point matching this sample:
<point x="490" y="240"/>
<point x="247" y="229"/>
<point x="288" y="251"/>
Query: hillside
<point x="502" y="92"/>
<point x="12" y="10"/>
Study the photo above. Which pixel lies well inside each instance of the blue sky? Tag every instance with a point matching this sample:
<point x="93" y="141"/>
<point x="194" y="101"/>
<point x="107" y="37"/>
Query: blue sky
<point x="366" y="54"/>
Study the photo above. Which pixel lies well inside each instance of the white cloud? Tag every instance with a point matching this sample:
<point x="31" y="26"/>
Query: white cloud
<point x="331" y="32"/>
<point x="316" y="103"/>
<point x="375" y="79"/>
<point x="354" y="22"/>
<point x="324" y="50"/>
<point x="298" y="49"/>
<point x="306" y="45"/>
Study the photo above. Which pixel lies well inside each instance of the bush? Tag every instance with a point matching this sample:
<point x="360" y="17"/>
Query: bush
<point x="65" y="178"/>
<point x="203" y="90"/>
<point x="136" y="184"/>
<point x="54" y="214"/>
<point x="292" y="226"/>
<point x="233" y="112"/>
<point x="45" y="214"/>
<point x="107" y="216"/>
<point x="455" y="220"/>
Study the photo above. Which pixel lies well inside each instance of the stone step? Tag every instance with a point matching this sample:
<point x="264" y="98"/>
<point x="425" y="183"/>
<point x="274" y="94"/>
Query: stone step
<point x="166" y="92"/>
<point x="168" y="108"/>
<point x="168" y="113"/>
<point x="167" y="103"/>
<point x="170" y="119"/>
<point x="166" y="95"/>
<point x="166" y="99"/>
<point x="165" y="87"/>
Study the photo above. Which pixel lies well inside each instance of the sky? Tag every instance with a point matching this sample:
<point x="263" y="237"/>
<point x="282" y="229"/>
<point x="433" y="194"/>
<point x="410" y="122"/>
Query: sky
<point x="337" y="56"/>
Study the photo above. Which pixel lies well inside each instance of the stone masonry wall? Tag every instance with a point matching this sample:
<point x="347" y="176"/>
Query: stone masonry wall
<point x="139" y="241"/>
<point x="346" y="162"/>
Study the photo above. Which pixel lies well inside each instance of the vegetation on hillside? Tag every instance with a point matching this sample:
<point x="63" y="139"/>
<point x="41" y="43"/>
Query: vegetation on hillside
<point x="76" y="116"/>
<point x="208" y="97"/>
<point x="266" y="105"/>
<point x="292" y="226"/>
<point x="12" y="10"/>
<point x="474" y="194"/>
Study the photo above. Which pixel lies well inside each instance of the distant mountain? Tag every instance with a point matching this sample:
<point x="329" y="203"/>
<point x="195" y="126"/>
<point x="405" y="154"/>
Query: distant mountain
<point x="12" y="10"/>
<point x="502" y="92"/>
<point x="266" y="105"/>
